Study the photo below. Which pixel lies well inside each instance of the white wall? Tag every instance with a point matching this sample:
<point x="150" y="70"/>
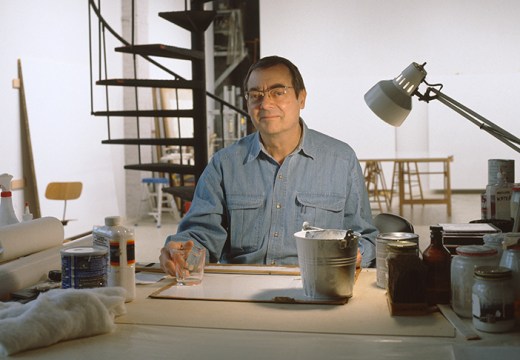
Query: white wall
<point x="51" y="39"/>
<point x="343" y="47"/>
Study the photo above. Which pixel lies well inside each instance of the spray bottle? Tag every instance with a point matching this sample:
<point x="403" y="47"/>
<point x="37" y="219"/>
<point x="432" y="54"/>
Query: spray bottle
<point x="7" y="215"/>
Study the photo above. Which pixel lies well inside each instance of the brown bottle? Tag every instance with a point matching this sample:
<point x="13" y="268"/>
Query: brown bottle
<point x="438" y="265"/>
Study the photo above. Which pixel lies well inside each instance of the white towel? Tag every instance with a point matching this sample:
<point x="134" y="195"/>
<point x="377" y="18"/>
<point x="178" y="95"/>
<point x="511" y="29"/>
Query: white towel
<point x="57" y="315"/>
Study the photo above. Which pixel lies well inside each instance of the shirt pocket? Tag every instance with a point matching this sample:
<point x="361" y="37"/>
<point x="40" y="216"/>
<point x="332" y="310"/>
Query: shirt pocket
<point x="245" y="214"/>
<point x="322" y="210"/>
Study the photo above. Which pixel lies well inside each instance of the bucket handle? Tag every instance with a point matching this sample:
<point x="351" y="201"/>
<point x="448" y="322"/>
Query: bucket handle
<point x="349" y="236"/>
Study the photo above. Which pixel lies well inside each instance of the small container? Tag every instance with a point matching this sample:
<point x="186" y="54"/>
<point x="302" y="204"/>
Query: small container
<point x="406" y="273"/>
<point x="492" y="299"/>
<point x="120" y="243"/>
<point x="462" y="269"/>
<point x="511" y="260"/>
<point x="382" y="242"/>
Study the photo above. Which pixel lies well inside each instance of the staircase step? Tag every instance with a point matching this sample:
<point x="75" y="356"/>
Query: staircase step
<point x="165" y="168"/>
<point x="163" y="51"/>
<point x="147" y="113"/>
<point x="152" y="141"/>
<point x="192" y="20"/>
<point x="170" y="84"/>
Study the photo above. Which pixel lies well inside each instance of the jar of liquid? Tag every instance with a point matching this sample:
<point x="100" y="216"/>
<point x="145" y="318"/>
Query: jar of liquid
<point x="493" y="299"/>
<point x="462" y="268"/>
<point x="406" y="273"/>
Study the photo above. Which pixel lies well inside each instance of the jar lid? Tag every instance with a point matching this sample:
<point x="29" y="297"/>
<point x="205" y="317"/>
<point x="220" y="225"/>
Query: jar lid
<point x="402" y="246"/>
<point x="475" y="250"/>
<point x="399" y="236"/>
<point x="492" y="272"/>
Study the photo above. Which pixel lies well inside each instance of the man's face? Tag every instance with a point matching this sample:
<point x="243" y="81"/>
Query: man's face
<point x="275" y="114"/>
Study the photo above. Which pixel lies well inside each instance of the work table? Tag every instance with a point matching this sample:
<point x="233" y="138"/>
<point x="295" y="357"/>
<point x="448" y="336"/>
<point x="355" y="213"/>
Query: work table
<point x="360" y="329"/>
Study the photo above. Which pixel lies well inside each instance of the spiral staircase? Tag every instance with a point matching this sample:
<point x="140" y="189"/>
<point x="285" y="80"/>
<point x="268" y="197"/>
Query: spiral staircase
<point x="196" y="20"/>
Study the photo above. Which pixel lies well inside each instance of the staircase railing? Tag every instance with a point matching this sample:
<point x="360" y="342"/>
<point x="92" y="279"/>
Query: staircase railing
<point x="224" y="107"/>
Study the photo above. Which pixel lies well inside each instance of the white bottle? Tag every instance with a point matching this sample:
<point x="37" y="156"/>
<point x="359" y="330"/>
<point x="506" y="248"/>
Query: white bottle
<point x="499" y="199"/>
<point x="120" y="242"/>
<point x="7" y="215"/>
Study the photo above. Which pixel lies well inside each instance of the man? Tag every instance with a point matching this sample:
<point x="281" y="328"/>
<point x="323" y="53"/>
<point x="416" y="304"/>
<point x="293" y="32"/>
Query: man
<point x="255" y="194"/>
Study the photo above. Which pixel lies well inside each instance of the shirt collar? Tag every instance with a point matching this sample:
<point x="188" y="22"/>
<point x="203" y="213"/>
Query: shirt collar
<point x="306" y="147"/>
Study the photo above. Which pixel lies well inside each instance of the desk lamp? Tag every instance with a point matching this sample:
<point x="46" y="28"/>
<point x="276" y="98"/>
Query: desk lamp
<point x="391" y="100"/>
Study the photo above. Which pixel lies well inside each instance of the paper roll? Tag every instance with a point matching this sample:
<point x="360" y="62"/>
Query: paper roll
<point x="28" y="237"/>
<point x="29" y="270"/>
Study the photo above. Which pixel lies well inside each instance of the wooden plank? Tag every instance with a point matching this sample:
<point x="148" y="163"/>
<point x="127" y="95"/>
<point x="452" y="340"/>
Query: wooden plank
<point x="31" y="188"/>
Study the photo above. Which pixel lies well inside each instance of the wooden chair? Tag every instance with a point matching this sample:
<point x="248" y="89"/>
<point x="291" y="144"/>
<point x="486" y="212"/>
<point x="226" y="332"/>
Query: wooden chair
<point x="64" y="191"/>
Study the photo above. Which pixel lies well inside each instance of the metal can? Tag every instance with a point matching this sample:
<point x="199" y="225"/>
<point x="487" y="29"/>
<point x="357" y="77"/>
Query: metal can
<point x="493" y="299"/>
<point x="83" y="267"/>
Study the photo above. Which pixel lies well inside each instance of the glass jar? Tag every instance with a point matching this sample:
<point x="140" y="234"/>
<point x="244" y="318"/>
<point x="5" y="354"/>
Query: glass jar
<point x="406" y="273"/>
<point x="493" y="298"/>
<point x="511" y="260"/>
<point x="462" y="267"/>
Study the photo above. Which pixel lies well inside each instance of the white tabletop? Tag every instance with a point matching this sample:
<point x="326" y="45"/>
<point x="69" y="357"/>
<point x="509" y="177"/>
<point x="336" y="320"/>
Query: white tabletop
<point x="160" y="329"/>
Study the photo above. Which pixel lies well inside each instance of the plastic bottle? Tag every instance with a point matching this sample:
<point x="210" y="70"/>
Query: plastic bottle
<point x="438" y="264"/>
<point x="7" y="214"/>
<point x="120" y="242"/>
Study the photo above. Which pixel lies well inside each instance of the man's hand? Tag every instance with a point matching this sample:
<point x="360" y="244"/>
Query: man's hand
<point x="166" y="260"/>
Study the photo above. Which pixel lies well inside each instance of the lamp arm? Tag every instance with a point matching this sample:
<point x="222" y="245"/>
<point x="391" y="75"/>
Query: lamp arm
<point x="506" y="137"/>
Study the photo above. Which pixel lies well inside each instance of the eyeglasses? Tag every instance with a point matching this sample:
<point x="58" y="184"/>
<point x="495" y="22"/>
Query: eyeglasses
<point x="275" y="94"/>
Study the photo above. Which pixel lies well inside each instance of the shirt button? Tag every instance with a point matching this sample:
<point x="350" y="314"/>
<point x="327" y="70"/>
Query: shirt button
<point x="278" y="206"/>
<point x="276" y="234"/>
<point x="280" y="176"/>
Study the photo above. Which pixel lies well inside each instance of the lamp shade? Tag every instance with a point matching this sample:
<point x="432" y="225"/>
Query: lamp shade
<point x="391" y="100"/>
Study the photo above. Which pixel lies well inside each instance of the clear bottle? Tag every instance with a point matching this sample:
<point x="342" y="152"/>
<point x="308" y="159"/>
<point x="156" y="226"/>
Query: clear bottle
<point x="492" y="299"/>
<point x="438" y="264"/>
<point x="120" y="242"/>
<point x="462" y="268"/>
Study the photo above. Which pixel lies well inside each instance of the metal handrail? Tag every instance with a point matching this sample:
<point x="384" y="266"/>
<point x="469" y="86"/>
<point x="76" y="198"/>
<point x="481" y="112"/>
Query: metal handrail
<point x="105" y="25"/>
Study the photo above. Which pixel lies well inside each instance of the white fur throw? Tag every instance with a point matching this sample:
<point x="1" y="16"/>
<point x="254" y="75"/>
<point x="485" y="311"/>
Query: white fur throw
<point x="59" y="315"/>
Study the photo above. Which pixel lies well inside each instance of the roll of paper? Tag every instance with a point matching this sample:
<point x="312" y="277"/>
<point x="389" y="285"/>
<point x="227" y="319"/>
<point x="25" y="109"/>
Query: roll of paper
<point x="29" y="270"/>
<point x="29" y="237"/>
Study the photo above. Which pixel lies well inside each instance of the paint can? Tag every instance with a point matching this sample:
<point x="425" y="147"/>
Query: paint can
<point x="382" y="242"/>
<point x="83" y="267"/>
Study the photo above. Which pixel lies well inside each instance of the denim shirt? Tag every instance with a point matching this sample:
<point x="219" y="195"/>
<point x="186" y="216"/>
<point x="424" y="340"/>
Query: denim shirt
<point x="247" y="207"/>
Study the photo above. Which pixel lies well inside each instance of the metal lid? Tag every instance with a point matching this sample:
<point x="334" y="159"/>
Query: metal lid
<point x="83" y="251"/>
<point x="492" y="272"/>
<point x="475" y="250"/>
<point x="398" y="236"/>
<point x="403" y="246"/>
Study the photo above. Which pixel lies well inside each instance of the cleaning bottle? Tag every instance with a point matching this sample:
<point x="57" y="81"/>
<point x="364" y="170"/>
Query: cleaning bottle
<point x="7" y="215"/>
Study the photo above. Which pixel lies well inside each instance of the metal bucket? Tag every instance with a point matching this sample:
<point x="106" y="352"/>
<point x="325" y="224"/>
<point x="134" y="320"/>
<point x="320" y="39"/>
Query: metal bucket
<point x="327" y="260"/>
<point x="382" y="241"/>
